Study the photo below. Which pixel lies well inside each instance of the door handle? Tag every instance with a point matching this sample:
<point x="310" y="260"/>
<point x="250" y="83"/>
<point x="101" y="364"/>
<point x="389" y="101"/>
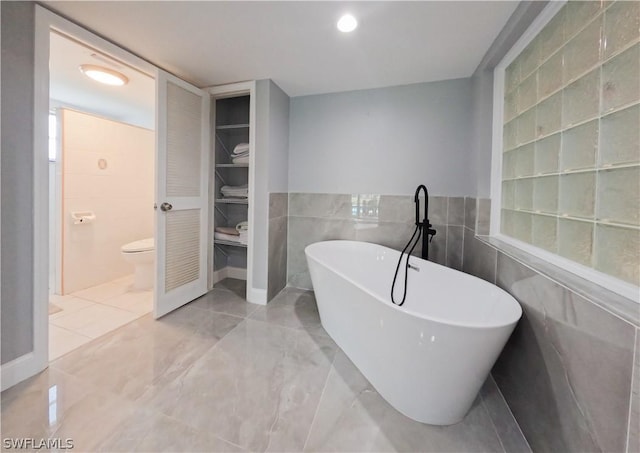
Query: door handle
<point x="166" y="206"/>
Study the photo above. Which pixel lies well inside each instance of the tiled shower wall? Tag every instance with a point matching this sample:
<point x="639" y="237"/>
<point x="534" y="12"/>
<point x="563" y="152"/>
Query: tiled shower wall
<point x="388" y="220"/>
<point x="567" y="370"/>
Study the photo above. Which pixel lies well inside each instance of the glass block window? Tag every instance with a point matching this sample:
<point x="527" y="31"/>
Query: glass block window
<point x="571" y="138"/>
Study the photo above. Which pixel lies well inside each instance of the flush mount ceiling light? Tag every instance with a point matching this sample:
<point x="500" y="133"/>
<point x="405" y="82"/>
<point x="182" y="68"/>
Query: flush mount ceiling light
<point x="104" y="75"/>
<point x="347" y="23"/>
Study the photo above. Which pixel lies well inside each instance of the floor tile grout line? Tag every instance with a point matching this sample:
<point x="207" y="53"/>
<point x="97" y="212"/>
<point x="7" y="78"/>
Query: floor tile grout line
<point x="105" y="304"/>
<point x="513" y="417"/>
<point x="180" y="375"/>
<point x="300" y="329"/>
<point x="495" y="428"/>
<point x="52" y="321"/>
<point x="118" y="310"/>
<point x="198" y="430"/>
<point x="324" y="388"/>
<point x="92" y="339"/>
<point x="209" y="310"/>
<point x="126" y="285"/>
<point x="70" y="331"/>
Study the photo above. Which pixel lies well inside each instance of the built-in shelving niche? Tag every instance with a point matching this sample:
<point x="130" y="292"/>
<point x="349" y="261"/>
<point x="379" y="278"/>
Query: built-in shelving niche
<point x="232" y="126"/>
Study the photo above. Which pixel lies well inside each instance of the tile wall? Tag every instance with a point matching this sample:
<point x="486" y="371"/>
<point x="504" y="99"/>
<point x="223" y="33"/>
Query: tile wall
<point x="566" y="372"/>
<point x="383" y="219"/>
<point x="277" y="251"/>
<point x="108" y="169"/>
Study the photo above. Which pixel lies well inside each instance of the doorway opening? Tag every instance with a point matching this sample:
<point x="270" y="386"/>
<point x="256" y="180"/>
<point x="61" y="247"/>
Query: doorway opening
<point x="102" y="156"/>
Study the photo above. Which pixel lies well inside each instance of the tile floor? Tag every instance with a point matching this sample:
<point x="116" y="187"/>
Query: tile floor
<point x="93" y="312"/>
<point x="220" y="374"/>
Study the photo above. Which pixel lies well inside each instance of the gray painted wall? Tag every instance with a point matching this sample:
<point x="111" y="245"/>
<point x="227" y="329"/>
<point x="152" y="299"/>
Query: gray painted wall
<point x="482" y="91"/>
<point x="278" y="139"/>
<point x="261" y="182"/>
<point x="271" y="160"/>
<point x="386" y="140"/>
<point x="17" y="42"/>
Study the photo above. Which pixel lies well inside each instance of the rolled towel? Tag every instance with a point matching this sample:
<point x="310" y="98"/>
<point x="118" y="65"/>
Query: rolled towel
<point x="241" y="148"/>
<point x="228" y="230"/>
<point x="242" y="226"/>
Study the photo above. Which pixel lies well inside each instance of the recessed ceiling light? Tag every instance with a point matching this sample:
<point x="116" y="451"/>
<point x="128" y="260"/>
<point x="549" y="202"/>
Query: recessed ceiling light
<point x="104" y="75"/>
<point x="347" y="23"/>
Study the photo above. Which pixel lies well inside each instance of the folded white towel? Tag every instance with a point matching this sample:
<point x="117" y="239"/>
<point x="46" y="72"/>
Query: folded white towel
<point x="242" y="226"/>
<point x="242" y="154"/>
<point x="241" y="160"/>
<point x="242" y="187"/>
<point x="243" y="238"/>
<point x="227" y="230"/>
<point x="235" y="195"/>
<point x="241" y="148"/>
<point x="235" y="191"/>
<point x="227" y="237"/>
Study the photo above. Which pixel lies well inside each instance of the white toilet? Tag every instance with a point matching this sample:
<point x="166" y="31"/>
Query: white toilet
<point x="142" y="255"/>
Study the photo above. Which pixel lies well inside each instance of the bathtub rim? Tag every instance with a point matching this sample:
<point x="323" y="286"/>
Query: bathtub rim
<point x="406" y="310"/>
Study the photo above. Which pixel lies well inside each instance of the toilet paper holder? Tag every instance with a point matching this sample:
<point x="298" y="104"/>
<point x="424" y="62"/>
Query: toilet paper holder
<point x="81" y="217"/>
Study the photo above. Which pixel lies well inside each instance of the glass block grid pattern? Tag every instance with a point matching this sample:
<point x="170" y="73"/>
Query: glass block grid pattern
<point x="571" y="138"/>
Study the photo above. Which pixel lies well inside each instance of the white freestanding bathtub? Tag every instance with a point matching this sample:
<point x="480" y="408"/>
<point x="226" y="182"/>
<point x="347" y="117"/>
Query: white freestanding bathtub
<point x="428" y="358"/>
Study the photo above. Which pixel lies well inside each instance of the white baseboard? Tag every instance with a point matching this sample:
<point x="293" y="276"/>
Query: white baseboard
<point x="20" y="369"/>
<point x="254" y="295"/>
<point x="229" y="272"/>
<point x="257" y="296"/>
<point x="236" y="272"/>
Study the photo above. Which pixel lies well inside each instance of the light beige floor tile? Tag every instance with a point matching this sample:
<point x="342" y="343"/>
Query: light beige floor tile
<point x="140" y="302"/>
<point x="70" y="304"/>
<point x="95" y="320"/>
<point x="62" y="341"/>
<point x="53" y="309"/>
<point x="127" y="280"/>
<point x="58" y="299"/>
<point x="103" y="292"/>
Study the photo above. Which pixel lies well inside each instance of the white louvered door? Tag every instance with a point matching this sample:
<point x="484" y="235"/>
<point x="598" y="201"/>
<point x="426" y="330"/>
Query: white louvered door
<point x="182" y="130"/>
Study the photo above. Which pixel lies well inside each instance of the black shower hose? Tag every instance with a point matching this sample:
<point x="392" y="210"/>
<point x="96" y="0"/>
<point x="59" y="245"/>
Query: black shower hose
<point x="418" y="230"/>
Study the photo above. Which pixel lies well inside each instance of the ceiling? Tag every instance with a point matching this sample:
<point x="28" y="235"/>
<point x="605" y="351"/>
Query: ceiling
<point x="132" y="103"/>
<point x="296" y="44"/>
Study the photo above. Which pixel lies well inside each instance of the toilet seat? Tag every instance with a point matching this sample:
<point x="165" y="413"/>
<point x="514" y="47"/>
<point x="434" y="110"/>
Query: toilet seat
<point x="144" y="245"/>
